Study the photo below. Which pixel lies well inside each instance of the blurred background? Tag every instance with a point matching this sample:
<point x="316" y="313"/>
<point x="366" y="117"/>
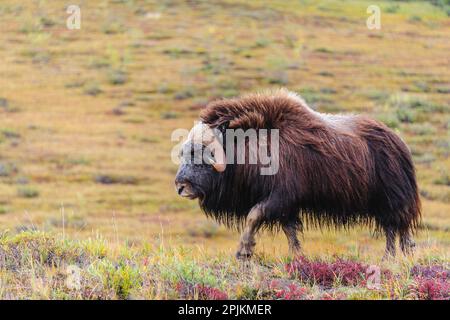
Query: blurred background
<point x="86" y="115"/>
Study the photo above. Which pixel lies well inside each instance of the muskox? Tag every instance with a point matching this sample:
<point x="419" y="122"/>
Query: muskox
<point x="333" y="171"/>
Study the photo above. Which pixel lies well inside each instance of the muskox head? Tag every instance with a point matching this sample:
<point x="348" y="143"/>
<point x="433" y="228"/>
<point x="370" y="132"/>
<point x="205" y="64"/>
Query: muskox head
<point x="202" y="159"/>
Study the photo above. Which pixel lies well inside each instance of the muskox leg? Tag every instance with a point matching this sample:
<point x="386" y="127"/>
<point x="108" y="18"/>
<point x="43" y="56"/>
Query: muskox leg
<point x="407" y="244"/>
<point x="252" y="224"/>
<point x="390" y="243"/>
<point x="294" y="245"/>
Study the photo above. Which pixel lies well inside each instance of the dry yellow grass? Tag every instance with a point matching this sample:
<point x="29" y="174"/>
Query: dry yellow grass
<point x="103" y="100"/>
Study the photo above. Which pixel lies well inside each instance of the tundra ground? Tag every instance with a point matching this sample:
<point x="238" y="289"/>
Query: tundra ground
<point x="86" y="118"/>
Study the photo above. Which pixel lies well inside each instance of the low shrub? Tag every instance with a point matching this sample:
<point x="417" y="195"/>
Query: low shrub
<point x="199" y="291"/>
<point x="327" y="274"/>
<point x="27" y="192"/>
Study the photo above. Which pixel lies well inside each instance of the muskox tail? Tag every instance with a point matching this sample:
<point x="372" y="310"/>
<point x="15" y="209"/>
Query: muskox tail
<point x="394" y="198"/>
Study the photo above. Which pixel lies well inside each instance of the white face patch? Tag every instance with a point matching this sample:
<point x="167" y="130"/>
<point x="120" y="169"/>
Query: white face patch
<point x="201" y="133"/>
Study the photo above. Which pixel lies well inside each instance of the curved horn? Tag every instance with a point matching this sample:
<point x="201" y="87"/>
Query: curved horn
<point x="220" y="163"/>
<point x="202" y="133"/>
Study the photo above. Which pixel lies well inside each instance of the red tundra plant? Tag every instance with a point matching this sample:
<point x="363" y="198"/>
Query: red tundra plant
<point x="291" y="292"/>
<point x="430" y="282"/>
<point x="431" y="272"/>
<point x="208" y="293"/>
<point x="203" y="292"/>
<point x="430" y="289"/>
<point x="349" y="273"/>
<point x="329" y="296"/>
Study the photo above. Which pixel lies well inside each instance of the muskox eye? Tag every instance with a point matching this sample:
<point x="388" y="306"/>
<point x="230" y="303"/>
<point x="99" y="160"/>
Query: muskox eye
<point x="210" y="159"/>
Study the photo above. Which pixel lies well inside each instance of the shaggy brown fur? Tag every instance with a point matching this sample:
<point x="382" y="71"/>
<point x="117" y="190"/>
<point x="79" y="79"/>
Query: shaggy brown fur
<point x="334" y="171"/>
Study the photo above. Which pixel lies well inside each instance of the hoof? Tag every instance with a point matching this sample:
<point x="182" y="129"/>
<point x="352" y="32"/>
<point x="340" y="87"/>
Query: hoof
<point x="407" y="246"/>
<point x="243" y="255"/>
<point x="245" y="251"/>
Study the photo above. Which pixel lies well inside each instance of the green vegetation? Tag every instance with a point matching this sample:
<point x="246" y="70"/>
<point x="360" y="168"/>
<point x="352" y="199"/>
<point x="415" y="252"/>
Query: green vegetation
<point x="27" y="192"/>
<point x="86" y="118"/>
<point x="52" y="267"/>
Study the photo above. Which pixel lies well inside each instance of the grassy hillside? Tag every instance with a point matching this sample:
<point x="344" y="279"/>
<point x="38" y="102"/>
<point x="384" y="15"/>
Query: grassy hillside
<point x="86" y="118"/>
